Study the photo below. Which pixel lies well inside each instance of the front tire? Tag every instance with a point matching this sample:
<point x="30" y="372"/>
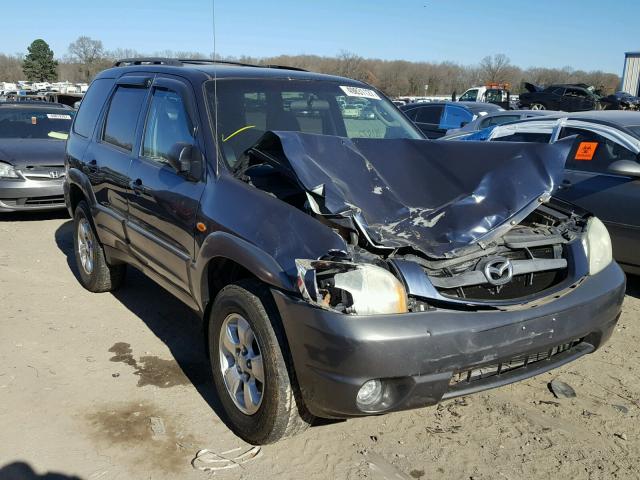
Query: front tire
<point x="253" y="377"/>
<point x="96" y="275"/>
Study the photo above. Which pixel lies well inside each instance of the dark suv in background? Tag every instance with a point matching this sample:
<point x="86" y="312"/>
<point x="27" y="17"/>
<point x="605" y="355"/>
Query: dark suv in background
<point x="344" y="265"/>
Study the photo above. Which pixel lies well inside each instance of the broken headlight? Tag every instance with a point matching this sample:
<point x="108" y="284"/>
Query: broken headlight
<point x="597" y="245"/>
<point x="361" y="289"/>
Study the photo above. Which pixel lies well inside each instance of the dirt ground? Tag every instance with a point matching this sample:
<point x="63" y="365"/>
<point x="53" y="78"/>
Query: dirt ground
<point x="115" y="386"/>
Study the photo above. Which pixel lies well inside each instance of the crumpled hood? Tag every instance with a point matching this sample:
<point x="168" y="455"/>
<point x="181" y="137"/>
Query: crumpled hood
<point x="437" y="197"/>
<point x="24" y="152"/>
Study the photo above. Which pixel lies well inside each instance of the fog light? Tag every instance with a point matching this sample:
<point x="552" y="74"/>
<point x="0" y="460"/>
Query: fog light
<point x="370" y="393"/>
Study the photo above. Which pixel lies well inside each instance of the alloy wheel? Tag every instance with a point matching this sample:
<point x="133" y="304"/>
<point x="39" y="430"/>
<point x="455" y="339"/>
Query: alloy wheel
<point x="241" y="363"/>
<point x="86" y="246"/>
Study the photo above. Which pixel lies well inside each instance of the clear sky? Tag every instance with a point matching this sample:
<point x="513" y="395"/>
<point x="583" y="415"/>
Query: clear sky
<point x="584" y="34"/>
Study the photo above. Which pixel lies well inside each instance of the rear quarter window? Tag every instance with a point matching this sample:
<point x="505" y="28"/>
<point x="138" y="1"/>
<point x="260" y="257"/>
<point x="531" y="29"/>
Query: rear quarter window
<point x="529" y="137"/>
<point x="91" y="106"/>
<point x="429" y="114"/>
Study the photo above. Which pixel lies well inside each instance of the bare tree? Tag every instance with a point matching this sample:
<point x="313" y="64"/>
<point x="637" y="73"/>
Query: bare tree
<point x="89" y="54"/>
<point x="11" y="67"/>
<point x="494" y="69"/>
<point x="352" y="66"/>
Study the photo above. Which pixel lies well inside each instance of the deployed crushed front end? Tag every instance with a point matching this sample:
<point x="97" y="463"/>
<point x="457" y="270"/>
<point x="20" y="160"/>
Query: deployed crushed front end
<point x="459" y="271"/>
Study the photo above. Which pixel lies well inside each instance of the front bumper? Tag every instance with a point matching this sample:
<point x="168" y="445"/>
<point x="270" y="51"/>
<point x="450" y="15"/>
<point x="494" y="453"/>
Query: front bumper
<point x="417" y="354"/>
<point x="26" y="194"/>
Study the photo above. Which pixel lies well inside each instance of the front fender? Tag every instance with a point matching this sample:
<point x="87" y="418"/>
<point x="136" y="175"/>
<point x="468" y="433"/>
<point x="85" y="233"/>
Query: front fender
<point x="230" y="247"/>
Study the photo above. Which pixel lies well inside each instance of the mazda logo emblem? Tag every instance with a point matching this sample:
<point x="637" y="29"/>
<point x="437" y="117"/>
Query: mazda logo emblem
<point x="498" y="270"/>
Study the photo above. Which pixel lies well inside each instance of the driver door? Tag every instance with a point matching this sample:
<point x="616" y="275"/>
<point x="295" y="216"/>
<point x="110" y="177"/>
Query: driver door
<point x="162" y="202"/>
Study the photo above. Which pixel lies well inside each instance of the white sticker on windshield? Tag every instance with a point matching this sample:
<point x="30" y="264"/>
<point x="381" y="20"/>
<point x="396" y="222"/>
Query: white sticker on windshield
<point x="360" y="92"/>
<point x="58" y="116"/>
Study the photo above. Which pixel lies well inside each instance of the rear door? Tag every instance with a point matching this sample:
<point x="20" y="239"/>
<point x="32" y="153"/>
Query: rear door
<point x="614" y="198"/>
<point x="107" y="160"/>
<point x="162" y="202"/>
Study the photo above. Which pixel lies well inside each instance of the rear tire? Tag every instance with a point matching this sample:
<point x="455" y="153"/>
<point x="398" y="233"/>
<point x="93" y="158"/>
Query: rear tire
<point x="260" y="402"/>
<point x="96" y="275"/>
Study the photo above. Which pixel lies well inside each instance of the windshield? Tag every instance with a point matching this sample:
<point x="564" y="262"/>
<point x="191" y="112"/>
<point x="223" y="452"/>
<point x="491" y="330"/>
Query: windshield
<point x="469" y="96"/>
<point x="249" y="108"/>
<point x="35" y="124"/>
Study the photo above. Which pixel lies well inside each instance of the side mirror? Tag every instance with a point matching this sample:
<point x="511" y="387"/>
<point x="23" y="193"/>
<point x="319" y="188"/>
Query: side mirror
<point x="628" y="168"/>
<point x="463" y="124"/>
<point x="186" y="159"/>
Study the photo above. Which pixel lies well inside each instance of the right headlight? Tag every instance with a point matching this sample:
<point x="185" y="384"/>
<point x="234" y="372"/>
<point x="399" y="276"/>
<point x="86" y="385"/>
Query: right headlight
<point x="356" y="288"/>
<point x="8" y="171"/>
<point x="597" y="245"/>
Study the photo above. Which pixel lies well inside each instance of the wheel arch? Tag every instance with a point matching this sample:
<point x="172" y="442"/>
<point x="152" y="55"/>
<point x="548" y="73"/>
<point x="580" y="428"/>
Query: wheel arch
<point x="225" y="258"/>
<point x="78" y="188"/>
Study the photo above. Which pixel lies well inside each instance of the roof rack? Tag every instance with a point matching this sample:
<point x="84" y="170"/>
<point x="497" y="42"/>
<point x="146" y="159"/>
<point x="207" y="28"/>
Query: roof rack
<point x="179" y="62"/>
<point x="31" y="103"/>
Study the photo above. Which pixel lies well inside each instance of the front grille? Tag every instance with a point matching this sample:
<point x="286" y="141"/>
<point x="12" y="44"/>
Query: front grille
<point x="471" y="375"/>
<point x="520" y="286"/>
<point x="51" y="200"/>
<point x="43" y="178"/>
<point x="44" y="172"/>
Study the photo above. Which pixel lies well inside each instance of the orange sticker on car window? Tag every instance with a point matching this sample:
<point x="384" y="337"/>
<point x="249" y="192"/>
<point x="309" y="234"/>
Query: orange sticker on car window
<point x="34" y="120"/>
<point x="586" y="150"/>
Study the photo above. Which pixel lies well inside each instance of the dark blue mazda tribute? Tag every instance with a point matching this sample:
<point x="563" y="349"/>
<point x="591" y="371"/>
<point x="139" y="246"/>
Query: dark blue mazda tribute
<point x="343" y="264"/>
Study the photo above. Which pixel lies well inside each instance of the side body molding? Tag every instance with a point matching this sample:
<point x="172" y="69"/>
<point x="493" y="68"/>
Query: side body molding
<point x="223" y="245"/>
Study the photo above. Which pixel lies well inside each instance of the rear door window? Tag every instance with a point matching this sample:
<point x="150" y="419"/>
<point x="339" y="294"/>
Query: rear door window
<point x="529" y="137"/>
<point x="429" y="114"/>
<point x="91" y="106"/>
<point x="122" y="117"/>
<point x="455" y="117"/>
<point x="576" y="92"/>
<point x="500" y="119"/>
<point x="592" y="152"/>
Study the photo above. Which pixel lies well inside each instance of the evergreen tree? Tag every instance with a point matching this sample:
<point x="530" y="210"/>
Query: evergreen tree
<point x="39" y="65"/>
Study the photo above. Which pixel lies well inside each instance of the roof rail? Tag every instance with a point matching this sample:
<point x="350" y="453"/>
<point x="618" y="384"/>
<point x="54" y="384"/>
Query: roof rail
<point x="179" y="62"/>
<point x="128" y="62"/>
<point x="32" y="103"/>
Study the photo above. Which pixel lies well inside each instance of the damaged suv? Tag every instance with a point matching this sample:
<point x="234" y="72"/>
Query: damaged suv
<point x="344" y="266"/>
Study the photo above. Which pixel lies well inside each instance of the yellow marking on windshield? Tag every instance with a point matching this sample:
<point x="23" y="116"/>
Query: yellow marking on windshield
<point x="240" y="130"/>
<point x="58" y="135"/>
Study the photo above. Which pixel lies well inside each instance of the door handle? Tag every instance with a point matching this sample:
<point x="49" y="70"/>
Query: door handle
<point x="137" y="186"/>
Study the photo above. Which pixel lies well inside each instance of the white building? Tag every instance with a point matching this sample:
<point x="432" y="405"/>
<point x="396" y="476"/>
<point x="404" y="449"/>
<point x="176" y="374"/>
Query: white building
<point x="631" y="73"/>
